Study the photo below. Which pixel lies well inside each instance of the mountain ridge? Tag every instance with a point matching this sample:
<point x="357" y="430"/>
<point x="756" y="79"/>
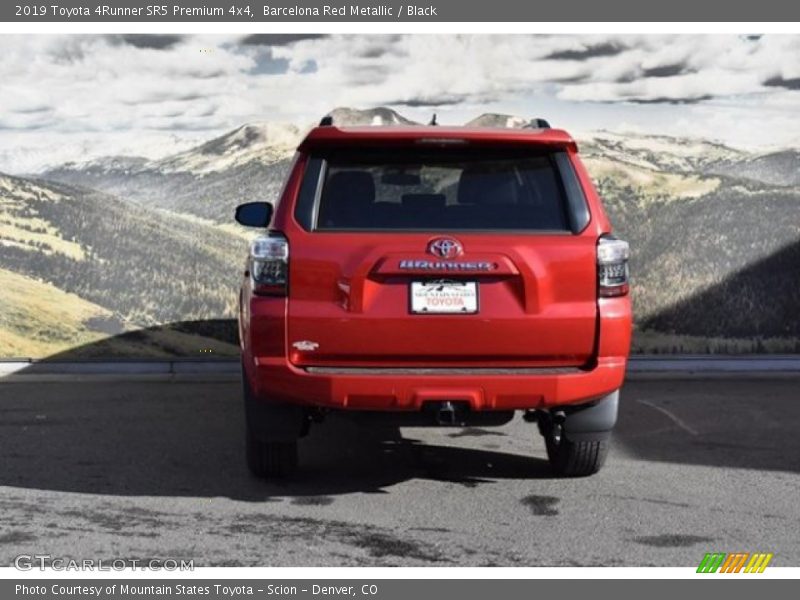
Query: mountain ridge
<point x="270" y="142"/>
<point x="695" y="216"/>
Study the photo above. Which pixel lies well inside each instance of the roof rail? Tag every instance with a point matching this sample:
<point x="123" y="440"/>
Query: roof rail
<point x="326" y="121"/>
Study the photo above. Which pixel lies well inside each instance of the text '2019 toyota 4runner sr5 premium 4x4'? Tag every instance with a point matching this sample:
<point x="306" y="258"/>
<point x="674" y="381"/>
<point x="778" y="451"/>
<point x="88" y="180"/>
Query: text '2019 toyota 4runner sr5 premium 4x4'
<point x="434" y="275"/>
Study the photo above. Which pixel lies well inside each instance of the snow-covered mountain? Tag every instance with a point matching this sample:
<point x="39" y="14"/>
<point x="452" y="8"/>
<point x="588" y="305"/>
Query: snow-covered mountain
<point x="659" y="152"/>
<point x="250" y="162"/>
<point x="123" y="164"/>
<point x="258" y="142"/>
<point x="208" y="181"/>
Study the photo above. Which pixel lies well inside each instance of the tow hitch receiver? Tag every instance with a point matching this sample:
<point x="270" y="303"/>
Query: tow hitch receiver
<point x="448" y="413"/>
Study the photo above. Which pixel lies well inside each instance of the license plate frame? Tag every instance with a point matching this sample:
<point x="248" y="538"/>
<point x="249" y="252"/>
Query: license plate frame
<point x="455" y="297"/>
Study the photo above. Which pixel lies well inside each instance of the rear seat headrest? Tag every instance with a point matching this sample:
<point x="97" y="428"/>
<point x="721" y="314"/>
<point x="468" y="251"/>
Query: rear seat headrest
<point x="485" y="186"/>
<point x="351" y="188"/>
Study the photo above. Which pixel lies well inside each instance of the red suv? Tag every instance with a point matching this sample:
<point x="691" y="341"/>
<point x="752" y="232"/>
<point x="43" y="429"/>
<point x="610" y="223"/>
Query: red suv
<point x="434" y="275"/>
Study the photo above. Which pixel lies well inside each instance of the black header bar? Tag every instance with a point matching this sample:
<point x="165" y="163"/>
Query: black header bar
<point x="197" y="11"/>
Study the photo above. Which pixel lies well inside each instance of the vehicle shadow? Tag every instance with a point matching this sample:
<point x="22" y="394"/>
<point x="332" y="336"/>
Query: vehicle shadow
<point x="168" y="436"/>
<point x="184" y="436"/>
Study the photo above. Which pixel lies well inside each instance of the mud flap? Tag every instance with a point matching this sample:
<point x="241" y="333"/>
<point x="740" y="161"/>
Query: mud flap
<point x="593" y="421"/>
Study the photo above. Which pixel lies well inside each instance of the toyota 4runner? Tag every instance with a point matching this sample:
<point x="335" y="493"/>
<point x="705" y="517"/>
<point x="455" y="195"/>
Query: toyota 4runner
<point x="434" y="275"/>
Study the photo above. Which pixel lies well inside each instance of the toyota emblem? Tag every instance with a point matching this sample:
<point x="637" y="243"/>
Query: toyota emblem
<point x="445" y="248"/>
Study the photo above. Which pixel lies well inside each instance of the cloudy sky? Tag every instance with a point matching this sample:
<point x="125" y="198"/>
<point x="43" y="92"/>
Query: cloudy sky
<point x="76" y="97"/>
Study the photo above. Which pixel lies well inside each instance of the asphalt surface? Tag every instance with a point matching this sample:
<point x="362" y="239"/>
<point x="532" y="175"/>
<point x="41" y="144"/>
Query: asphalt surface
<point x="154" y="469"/>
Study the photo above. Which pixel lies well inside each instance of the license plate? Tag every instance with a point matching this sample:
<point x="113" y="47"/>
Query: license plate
<point x="448" y="297"/>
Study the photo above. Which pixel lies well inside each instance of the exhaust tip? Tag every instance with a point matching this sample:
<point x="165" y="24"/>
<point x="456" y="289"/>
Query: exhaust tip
<point x="530" y="416"/>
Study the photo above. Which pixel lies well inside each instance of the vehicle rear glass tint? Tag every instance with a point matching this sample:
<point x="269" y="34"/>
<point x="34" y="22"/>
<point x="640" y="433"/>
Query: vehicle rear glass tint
<point x="441" y="190"/>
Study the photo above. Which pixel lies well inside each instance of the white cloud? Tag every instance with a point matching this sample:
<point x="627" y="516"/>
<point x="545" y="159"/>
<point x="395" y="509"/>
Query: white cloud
<point x="104" y="94"/>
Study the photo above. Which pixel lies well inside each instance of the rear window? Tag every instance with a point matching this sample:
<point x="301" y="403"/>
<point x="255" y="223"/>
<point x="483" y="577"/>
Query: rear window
<point x="414" y="190"/>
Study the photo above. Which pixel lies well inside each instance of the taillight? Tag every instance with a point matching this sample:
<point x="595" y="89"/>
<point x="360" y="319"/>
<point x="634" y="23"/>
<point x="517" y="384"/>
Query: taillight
<point x="269" y="264"/>
<point x="612" y="267"/>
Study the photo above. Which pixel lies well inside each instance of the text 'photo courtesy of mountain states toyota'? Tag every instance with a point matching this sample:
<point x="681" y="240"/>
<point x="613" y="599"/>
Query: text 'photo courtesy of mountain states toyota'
<point x="429" y="275"/>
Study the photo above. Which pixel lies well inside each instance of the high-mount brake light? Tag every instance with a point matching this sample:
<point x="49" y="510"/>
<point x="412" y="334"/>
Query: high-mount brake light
<point x="442" y="141"/>
<point x="269" y="265"/>
<point x="612" y="267"/>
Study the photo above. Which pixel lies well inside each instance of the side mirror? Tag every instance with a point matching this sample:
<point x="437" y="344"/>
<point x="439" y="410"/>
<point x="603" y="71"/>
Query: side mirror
<point x="254" y="214"/>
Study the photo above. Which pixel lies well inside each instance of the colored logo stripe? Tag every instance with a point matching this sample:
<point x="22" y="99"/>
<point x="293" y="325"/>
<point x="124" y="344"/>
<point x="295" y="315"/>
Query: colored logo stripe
<point x="711" y="562"/>
<point x="758" y="563"/>
<point x="735" y="562"/>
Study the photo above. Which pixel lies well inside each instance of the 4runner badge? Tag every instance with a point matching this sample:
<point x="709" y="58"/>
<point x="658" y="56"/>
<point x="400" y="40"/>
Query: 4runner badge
<point x="446" y="265"/>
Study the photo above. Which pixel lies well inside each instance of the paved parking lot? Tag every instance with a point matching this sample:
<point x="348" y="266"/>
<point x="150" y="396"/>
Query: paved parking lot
<point x="108" y="468"/>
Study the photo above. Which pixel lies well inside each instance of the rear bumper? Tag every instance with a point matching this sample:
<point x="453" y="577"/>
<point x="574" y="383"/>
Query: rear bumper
<point x="273" y="378"/>
<point x="277" y="380"/>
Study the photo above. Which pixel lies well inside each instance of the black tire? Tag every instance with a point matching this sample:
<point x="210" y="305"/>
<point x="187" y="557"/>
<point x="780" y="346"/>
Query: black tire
<point x="573" y="458"/>
<point x="269" y="460"/>
<point x="271" y="434"/>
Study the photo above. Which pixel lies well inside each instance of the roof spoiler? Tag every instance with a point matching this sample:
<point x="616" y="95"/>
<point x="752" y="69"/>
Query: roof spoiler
<point x="537" y="123"/>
